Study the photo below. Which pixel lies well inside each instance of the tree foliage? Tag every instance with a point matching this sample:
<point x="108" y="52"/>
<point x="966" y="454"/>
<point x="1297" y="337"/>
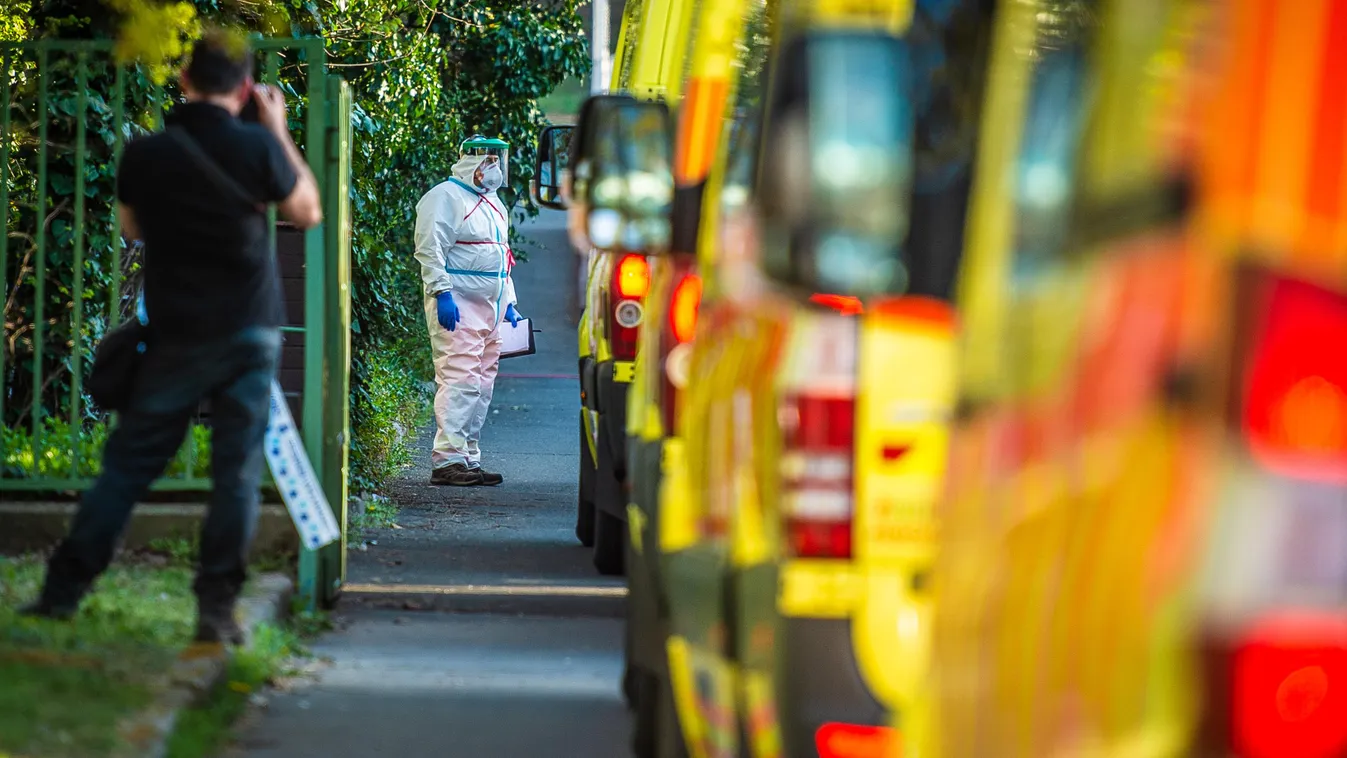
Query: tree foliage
<point x="425" y="75"/>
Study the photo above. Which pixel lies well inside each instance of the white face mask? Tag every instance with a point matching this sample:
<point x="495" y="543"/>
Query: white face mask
<point x="492" y="178"/>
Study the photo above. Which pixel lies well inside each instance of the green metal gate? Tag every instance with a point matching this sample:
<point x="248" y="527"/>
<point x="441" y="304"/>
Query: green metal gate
<point x="67" y="108"/>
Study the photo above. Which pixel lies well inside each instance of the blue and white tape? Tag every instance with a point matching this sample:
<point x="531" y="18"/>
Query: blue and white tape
<point x="293" y="474"/>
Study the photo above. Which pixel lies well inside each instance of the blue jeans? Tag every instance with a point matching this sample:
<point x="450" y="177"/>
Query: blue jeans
<point x="235" y="374"/>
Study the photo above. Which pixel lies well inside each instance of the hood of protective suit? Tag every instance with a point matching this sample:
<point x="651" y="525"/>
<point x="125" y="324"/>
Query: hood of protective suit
<point x="465" y="168"/>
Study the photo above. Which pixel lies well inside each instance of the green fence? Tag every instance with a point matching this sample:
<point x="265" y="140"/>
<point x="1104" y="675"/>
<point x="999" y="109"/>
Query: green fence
<point x="66" y="277"/>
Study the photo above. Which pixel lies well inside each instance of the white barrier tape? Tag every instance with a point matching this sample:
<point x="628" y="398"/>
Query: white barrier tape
<point x="294" y="477"/>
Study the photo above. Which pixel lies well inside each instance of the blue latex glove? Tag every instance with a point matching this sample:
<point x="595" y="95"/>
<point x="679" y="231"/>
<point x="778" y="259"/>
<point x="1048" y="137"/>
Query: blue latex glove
<point x="512" y="316"/>
<point x="447" y="310"/>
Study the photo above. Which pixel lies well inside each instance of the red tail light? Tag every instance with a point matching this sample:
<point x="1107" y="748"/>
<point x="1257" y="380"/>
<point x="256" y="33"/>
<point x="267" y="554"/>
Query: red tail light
<point x="836" y="740"/>
<point x="631" y="281"/>
<point x="818" y="474"/>
<point x="1295" y="409"/>
<point x="633" y="277"/>
<point x="1288" y="684"/>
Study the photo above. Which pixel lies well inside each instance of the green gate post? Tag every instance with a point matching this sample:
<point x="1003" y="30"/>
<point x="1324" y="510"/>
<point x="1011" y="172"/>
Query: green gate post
<point x="337" y="360"/>
<point x="324" y="418"/>
<point x="313" y="584"/>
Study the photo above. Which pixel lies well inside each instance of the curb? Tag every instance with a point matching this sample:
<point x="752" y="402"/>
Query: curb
<point x="200" y="667"/>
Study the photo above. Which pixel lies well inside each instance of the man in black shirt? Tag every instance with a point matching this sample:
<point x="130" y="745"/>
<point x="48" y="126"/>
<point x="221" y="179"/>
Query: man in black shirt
<point x="213" y="303"/>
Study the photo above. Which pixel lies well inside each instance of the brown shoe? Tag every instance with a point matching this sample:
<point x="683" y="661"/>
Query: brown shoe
<point x="489" y="478"/>
<point x="456" y="475"/>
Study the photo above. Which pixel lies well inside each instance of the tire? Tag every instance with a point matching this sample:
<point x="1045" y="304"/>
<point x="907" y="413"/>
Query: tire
<point x="631" y="687"/>
<point x="609" y="550"/>
<point x="655" y="730"/>
<point x="584" y="508"/>
<point x="671" y="744"/>
<point x="645" y="718"/>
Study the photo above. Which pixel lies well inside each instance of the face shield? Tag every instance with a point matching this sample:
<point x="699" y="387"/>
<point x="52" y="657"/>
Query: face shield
<point x="493" y="153"/>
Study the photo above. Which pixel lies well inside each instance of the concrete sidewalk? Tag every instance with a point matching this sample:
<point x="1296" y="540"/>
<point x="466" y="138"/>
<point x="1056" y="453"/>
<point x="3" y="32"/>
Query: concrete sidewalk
<point x="480" y="628"/>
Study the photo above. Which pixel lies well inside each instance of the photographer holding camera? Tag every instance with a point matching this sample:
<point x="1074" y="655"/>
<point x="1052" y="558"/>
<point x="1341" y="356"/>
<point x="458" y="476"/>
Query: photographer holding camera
<point x="196" y="195"/>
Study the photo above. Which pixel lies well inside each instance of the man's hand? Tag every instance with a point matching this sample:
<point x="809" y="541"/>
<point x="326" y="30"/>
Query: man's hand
<point x="130" y="226"/>
<point x="513" y="316"/>
<point x="271" y="110"/>
<point x="303" y="207"/>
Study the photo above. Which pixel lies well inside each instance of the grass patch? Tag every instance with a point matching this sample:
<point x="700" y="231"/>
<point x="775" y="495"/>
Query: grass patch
<point x="68" y="685"/>
<point x="62" y="452"/>
<point x="204" y="729"/>
<point x="372" y="512"/>
<point x="182" y="552"/>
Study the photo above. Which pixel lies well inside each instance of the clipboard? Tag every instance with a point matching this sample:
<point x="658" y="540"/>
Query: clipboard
<point x="517" y="340"/>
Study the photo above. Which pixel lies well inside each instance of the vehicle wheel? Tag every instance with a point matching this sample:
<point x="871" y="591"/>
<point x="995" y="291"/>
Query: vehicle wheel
<point x="645" y="722"/>
<point x="584" y="516"/>
<point x="630" y="686"/>
<point x="609" y="531"/>
<point x="630" y="673"/>
<point x="655" y="730"/>
<point x="671" y="743"/>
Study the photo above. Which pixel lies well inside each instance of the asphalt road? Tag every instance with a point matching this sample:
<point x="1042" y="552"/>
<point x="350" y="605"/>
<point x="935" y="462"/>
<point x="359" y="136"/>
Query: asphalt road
<point x="479" y="628"/>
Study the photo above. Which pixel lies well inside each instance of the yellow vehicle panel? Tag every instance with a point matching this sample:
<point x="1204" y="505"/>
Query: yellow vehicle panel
<point x="1072" y="489"/>
<point x="905" y="400"/>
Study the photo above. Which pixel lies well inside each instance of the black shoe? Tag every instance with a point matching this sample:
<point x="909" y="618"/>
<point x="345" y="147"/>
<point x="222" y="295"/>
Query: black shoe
<point x="218" y="625"/>
<point x="44" y="609"/>
<point x="456" y="475"/>
<point x="489" y="478"/>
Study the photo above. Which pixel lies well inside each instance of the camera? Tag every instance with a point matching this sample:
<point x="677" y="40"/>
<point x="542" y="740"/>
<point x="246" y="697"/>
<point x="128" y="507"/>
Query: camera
<point x="249" y="112"/>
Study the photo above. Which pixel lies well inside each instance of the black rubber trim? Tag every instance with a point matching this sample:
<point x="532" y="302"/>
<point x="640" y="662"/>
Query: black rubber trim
<point x="821" y="682"/>
<point x="613" y="415"/>
<point x="1119" y="217"/>
<point x="686" y="218"/>
<point x="589" y="389"/>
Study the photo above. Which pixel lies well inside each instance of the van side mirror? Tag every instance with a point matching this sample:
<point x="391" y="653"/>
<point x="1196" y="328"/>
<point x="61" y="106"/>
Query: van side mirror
<point x="836" y="161"/>
<point x="627" y="179"/>
<point x="554" y="155"/>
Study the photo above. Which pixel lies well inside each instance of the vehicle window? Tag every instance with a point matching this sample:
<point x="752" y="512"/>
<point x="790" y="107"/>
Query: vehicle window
<point x="632" y="25"/>
<point x="742" y="112"/>
<point x="1049" y="148"/>
<point x="690" y="44"/>
<point x="950" y="45"/>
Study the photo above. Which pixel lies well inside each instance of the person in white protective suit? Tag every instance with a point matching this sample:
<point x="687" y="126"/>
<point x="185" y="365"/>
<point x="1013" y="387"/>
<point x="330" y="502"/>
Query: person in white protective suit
<point x="462" y="244"/>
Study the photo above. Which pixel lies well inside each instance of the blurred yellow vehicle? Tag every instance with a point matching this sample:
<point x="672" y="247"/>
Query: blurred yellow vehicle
<point x="726" y="54"/>
<point x="1074" y="466"/>
<point x="1142" y="537"/>
<point x="796" y="514"/>
<point x="612" y="172"/>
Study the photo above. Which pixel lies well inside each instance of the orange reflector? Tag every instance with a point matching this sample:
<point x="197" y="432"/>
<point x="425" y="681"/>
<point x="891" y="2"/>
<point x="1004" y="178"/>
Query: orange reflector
<point x="699" y="129"/>
<point x="835" y="740"/>
<point x="847" y="306"/>
<point x="633" y="277"/>
<point x="927" y="310"/>
<point x="687" y="299"/>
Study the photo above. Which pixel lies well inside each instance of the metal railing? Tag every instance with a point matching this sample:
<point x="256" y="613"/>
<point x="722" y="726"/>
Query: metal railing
<point x="67" y="109"/>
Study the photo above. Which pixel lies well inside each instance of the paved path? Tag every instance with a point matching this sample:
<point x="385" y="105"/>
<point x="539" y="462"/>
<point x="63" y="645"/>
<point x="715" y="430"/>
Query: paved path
<point x="479" y="629"/>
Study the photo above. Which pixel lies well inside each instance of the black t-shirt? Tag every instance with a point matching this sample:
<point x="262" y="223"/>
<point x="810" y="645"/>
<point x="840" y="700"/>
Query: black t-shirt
<point x="209" y="268"/>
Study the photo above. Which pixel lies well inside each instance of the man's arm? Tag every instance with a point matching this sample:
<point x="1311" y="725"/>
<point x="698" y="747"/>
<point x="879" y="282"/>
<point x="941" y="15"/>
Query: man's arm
<point x="127" y="218"/>
<point x="302" y="207"/>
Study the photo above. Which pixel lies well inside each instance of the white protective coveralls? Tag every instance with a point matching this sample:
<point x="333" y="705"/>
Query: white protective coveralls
<point x="462" y="243"/>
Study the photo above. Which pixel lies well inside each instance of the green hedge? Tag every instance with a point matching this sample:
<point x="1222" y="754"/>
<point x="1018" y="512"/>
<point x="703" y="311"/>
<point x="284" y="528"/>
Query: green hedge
<point x="55" y="457"/>
<point x="424" y="74"/>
